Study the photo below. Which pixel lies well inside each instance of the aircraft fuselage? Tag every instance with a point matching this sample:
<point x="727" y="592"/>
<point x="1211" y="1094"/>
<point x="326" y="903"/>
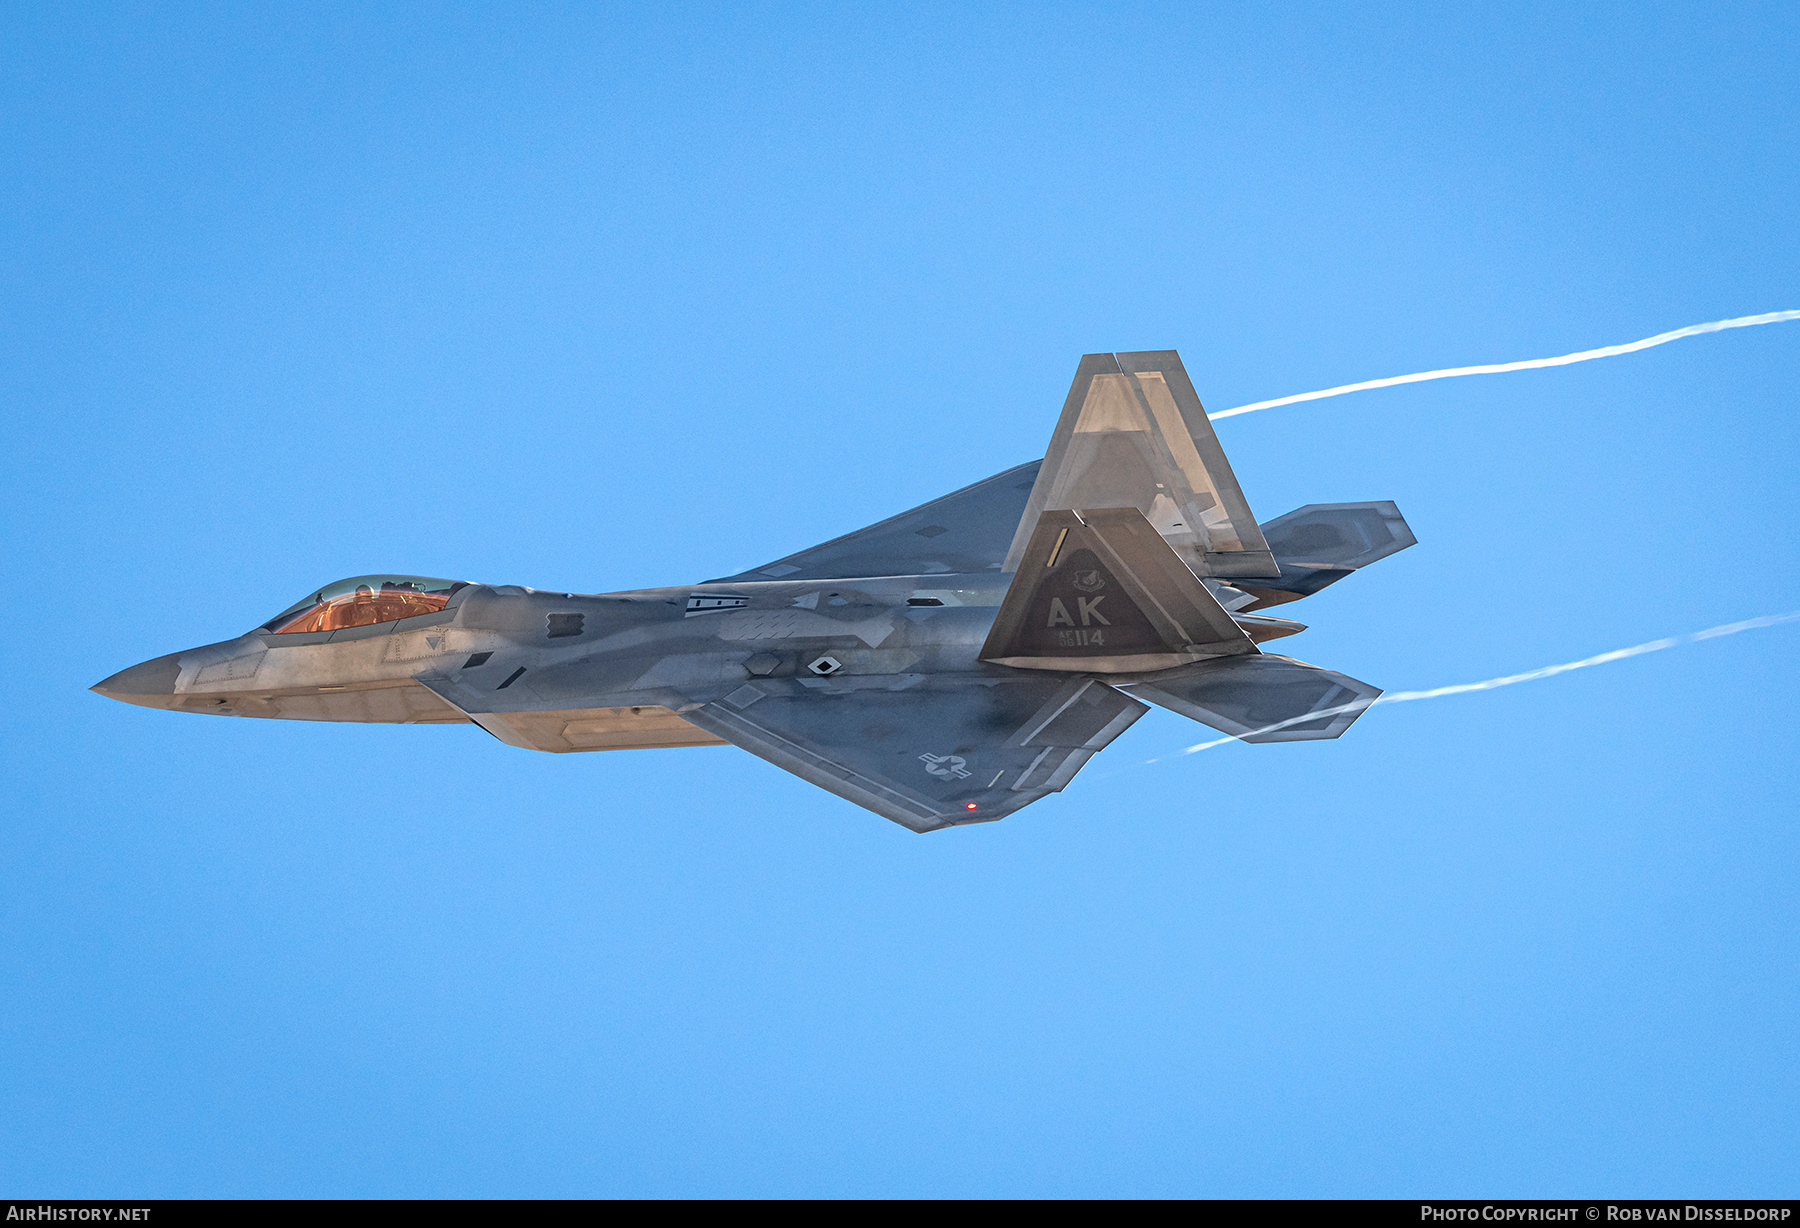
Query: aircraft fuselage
<point x="627" y="663"/>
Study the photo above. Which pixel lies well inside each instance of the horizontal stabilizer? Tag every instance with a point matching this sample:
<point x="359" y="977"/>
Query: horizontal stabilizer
<point x="1321" y="543"/>
<point x="1133" y="434"/>
<point x="1100" y="591"/>
<point x="1264" y="698"/>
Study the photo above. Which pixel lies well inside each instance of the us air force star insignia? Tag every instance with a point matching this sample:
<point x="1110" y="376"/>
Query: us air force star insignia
<point x="1089" y="581"/>
<point x="949" y="767"/>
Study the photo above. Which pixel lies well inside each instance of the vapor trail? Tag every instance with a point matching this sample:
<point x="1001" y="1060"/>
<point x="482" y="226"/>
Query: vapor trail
<point x="1548" y="671"/>
<point x="1630" y="347"/>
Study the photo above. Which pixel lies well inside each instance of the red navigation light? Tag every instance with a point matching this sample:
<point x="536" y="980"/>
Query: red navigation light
<point x="970" y="806"/>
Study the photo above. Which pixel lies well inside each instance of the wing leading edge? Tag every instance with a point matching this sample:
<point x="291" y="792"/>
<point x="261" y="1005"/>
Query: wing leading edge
<point x="965" y="531"/>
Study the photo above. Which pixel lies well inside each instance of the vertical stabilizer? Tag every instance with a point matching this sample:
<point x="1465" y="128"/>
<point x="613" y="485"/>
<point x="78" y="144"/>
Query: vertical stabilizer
<point x="1098" y="591"/>
<point x="1133" y="434"/>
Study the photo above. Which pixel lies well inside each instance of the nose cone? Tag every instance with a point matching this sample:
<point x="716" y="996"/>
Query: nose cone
<point x="151" y="684"/>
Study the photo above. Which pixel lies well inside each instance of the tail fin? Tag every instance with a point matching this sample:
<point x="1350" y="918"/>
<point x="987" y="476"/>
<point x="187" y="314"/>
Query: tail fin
<point x="1100" y="591"/>
<point x="1133" y="434"/>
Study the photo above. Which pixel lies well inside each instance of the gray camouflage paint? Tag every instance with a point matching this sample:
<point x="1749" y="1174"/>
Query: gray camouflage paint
<point x="857" y="664"/>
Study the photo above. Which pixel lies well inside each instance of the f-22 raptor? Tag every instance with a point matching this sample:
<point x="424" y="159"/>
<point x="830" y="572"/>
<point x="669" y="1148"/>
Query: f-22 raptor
<point x="946" y="666"/>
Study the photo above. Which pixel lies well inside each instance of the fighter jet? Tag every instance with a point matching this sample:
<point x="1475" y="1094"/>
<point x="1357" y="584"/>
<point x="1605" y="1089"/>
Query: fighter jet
<point x="946" y="666"/>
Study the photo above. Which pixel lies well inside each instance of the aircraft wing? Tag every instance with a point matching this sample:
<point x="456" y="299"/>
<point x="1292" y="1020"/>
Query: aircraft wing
<point x="927" y="752"/>
<point x="965" y="531"/>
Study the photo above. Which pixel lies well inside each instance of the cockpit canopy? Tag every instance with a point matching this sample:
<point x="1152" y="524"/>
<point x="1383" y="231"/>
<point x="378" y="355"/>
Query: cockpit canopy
<point x="363" y="601"/>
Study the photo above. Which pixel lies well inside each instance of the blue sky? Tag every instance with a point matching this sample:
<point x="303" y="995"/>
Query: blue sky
<point x="600" y="298"/>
